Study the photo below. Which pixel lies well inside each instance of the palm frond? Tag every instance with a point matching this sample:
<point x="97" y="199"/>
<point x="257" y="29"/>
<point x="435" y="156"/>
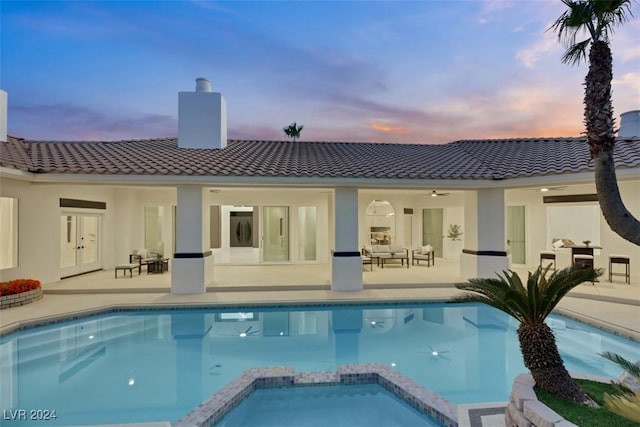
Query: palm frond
<point x="563" y="281"/>
<point x="597" y="18"/>
<point x="576" y="53"/>
<point x="625" y="364"/>
<point x="498" y="304"/>
<point x="532" y="303"/>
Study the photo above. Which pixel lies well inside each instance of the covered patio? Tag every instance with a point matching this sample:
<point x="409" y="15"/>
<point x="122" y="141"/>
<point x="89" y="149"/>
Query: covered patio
<point x="314" y="277"/>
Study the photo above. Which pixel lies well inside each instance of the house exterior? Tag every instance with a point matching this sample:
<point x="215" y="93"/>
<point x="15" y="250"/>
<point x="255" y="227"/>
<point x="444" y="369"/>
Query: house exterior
<point x="69" y="207"/>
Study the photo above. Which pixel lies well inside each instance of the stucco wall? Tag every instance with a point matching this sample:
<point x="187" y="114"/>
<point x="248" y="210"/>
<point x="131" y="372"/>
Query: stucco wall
<point x="39" y="226"/>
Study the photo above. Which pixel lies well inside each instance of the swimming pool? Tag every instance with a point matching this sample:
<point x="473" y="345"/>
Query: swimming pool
<point x="136" y="366"/>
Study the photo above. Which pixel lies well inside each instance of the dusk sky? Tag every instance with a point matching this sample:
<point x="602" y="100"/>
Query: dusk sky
<point x="390" y="71"/>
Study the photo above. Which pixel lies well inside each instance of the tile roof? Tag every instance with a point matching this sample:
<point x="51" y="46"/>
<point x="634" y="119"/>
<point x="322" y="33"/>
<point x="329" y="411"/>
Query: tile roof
<point x="469" y="159"/>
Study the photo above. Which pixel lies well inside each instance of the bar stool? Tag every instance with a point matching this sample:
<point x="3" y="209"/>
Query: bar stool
<point x="585" y="260"/>
<point x="620" y="259"/>
<point x="549" y="255"/>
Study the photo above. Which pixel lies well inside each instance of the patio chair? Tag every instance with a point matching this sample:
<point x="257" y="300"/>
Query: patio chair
<point x="423" y="253"/>
<point x="142" y="257"/>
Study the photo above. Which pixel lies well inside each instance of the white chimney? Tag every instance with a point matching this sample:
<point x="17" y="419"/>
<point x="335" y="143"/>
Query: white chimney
<point x="3" y="116"/>
<point x="629" y="124"/>
<point x="202" y="117"/>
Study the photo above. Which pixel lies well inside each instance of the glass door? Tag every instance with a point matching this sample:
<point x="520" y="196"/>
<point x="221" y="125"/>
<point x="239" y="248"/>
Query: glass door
<point x="275" y="233"/>
<point x="79" y="244"/>
<point x="432" y="231"/>
<point x="307" y="228"/>
<point x="516" y="244"/>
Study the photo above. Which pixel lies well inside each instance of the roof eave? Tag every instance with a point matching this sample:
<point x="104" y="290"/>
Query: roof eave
<point x="297" y="181"/>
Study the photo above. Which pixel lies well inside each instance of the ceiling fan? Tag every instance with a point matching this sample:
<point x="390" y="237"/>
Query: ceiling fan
<point x="375" y="323"/>
<point x="434" y="193"/>
<point x="547" y="189"/>
<point x="246" y="333"/>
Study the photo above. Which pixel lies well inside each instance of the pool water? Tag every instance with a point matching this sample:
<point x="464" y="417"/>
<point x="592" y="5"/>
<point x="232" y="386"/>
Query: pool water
<point x="143" y="366"/>
<point x="336" y="406"/>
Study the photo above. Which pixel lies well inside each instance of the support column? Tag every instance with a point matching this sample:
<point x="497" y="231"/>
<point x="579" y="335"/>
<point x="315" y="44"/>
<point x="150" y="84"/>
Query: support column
<point x="346" y="272"/>
<point x="192" y="267"/>
<point x="485" y="237"/>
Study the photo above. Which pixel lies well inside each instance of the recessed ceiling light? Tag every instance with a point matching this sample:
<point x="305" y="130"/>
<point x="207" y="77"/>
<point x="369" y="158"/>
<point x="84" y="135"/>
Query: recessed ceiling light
<point x="132" y="381"/>
<point x="544" y="190"/>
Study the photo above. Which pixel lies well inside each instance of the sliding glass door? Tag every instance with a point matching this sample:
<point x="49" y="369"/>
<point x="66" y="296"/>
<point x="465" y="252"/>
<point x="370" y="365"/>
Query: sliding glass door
<point x="307" y="230"/>
<point x="432" y="231"/>
<point x="516" y="243"/>
<point x="275" y="233"/>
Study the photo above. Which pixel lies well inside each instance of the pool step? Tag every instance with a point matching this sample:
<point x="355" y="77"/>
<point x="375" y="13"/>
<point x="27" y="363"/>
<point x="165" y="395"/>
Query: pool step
<point x="72" y="340"/>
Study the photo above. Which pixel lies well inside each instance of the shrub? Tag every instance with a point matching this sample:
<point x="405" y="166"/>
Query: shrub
<point x="18" y="286"/>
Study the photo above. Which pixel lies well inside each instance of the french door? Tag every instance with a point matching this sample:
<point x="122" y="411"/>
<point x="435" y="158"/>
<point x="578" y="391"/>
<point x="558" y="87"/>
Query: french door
<point x="79" y="243"/>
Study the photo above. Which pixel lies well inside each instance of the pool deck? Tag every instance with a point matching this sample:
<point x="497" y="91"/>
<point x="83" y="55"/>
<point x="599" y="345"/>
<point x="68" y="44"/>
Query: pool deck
<point x="612" y="306"/>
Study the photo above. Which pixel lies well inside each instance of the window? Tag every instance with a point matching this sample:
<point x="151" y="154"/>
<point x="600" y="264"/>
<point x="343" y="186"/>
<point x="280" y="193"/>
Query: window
<point x="562" y="224"/>
<point x="9" y="232"/>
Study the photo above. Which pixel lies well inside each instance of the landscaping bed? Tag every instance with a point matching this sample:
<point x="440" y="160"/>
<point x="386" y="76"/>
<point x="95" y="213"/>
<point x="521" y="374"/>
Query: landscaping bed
<point x="19" y="292"/>
<point x="584" y="416"/>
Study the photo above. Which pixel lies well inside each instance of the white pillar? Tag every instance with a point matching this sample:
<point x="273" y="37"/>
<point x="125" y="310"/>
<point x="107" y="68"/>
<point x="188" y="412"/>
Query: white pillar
<point x="192" y="267"/>
<point x="346" y="272"/>
<point x="484" y="252"/>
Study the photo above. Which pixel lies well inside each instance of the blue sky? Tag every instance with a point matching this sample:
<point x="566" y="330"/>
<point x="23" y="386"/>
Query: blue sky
<point x="391" y="71"/>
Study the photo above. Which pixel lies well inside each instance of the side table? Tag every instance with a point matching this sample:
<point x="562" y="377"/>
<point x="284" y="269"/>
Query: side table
<point x="157" y="265"/>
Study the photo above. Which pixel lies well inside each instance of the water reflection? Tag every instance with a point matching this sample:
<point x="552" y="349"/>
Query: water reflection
<point x="154" y="366"/>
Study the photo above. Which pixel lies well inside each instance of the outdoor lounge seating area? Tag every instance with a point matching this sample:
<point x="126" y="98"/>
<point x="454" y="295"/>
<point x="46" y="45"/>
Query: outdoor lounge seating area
<point x="384" y="254"/>
<point x="138" y="258"/>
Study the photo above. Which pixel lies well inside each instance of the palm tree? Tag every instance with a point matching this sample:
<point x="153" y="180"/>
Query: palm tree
<point x="531" y="305"/>
<point x="293" y="131"/>
<point x="597" y="20"/>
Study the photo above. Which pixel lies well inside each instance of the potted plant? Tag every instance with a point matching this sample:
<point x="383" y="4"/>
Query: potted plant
<point x="454" y="232"/>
